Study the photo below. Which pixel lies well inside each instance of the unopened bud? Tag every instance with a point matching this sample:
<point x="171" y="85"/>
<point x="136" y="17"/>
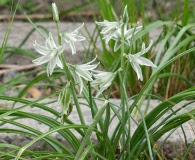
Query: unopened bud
<point x="64" y="100"/>
<point x="125" y="17"/>
<point x="55" y="12"/>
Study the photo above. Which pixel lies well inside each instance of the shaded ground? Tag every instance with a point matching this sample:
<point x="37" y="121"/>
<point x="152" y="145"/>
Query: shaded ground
<point x="77" y="10"/>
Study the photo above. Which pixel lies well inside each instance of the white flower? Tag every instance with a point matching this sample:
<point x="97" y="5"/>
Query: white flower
<point x="73" y="37"/>
<point x="83" y="71"/>
<point x="109" y="29"/>
<point x="50" y="54"/>
<point x="128" y="34"/>
<point x="137" y="59"/>
<point x="103" y="80"/>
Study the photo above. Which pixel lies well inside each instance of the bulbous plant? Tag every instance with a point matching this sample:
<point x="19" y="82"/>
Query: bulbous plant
<point x="123" y="143"/>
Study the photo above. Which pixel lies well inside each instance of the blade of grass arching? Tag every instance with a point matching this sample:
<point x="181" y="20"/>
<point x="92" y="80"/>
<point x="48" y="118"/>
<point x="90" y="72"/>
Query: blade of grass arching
<point x="173" y="123"/>
<point x="60" y="148"/>
<point x="150" y="27"/>
<point x="11" y="112"/>
<point x="30" y="103"/>
<point x="46" y="134"/>
<point x="35" y="104"/>
<point x="3" y="47"/>
<point x="33" y="132"/>
<point x="36" y="28"/>
<point x="53" y="156"/>
<point x="156" y="115"/>
<point x="10" y="156"/>
<point x="163" y="45"/>
<point x="92" y="41"/>
<point x="144" y="18"/>
<point x="106" y="10"/>
<point x="103" y="147"/>
<point x="92" y="102"/>
<point x="10" y="50"/>
<point x="148" y="141"/>
<point x="168" y="126"/>
<point x="164" y="75"/>
<point x="187" y="152"/>
<point x="12" y="148"/>
<point x="164" y="62"/>
<point x="175" y="43"/>
<point x="86" y="151"/>
<point x="131" y="4"/>
<point x="76" y="8"/>
<point x="158" y="112"/>
<point x="29" y="34"/>
<point x="93" y="108"/>
<point x="131" y="7"/>
<point x="171" y="52"/>
<point x="185" y="13"/>
<point x="90" y="129"/>
<point x="148" y="84"/>
<point x="25" y="101"/>
<point x="50" y="122"/>
<point x="35" y="80"/>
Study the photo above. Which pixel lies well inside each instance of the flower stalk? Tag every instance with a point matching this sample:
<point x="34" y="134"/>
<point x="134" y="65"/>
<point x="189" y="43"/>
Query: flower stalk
<point x="69" y="79"/>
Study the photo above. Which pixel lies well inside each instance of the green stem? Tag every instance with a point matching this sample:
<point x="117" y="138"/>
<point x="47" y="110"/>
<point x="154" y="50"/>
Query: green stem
<point x="69" y="79"/>
<point x="59" y="36"/>
<point x="122" y="88"/>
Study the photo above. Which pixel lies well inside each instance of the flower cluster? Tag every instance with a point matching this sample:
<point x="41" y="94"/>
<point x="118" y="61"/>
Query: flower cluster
<point x="113" y="30"/>
<point x="86" y="72"/>
<point x="51" y="51"/>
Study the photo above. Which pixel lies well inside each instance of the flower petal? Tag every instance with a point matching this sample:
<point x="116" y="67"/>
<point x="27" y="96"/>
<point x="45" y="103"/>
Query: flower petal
<point x="137" y="69"/>
<point x="146" y="62"/>
<point x="59" y="63"/>
<point x="51" y="65"/>
<point x="50" y="42"/>
<point x="117" y="45"/>
<point x="79" y="38"/>
<point x="72" y="47"/>
<point x="40" y="49"/>
<point x="42" y="60"/>
<point x="76" y="30"/>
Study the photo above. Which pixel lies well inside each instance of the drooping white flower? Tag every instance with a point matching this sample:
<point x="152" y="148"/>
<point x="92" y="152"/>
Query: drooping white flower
<point x="50" y="53"/>
<point x="112" y="30"/>
<point x="83" y="72"/>
<point x="109" y="29"/>
<point x="73" y="37"/>
<point x="137" y="59"/>
<point x="102" y="80"/>
<point x="128" y="34"/>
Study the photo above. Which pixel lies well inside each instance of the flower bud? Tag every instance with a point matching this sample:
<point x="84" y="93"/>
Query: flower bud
<point x="65" y="101"/>
<point x="125" y="17"/>
<point x="55" y="13"/>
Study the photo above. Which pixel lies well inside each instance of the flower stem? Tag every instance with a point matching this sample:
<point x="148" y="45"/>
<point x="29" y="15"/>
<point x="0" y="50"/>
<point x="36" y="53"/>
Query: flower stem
<point x="59" y="36"/>
<point x="69" y="78"/>
<point x="124" y="97"/>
